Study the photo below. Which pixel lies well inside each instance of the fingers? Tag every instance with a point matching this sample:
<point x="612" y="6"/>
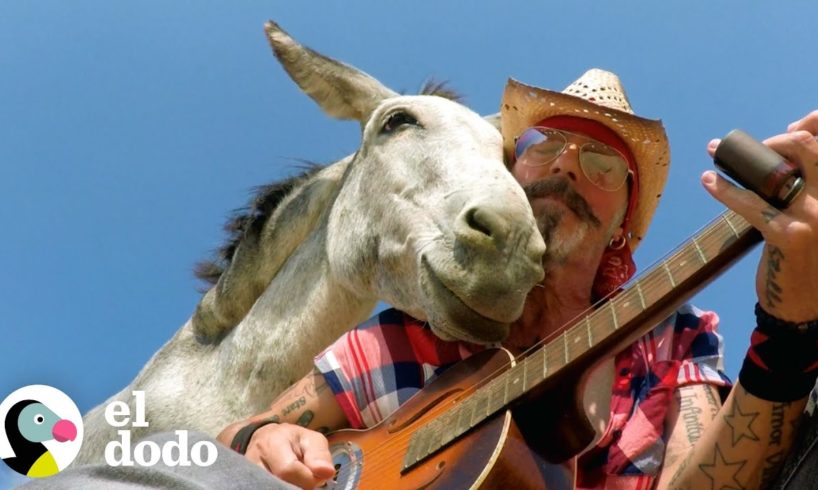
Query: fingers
<point x="800" y="148"/>
<point x="296" y="455"/>
<point x="316" y="455"/>
<point x="294" y="471"/>
<point x="711" y="147"/>
<point x="807" y="123"/>
<point x="746" y="203"/>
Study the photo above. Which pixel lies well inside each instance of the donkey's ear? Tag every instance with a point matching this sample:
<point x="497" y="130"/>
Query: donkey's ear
<point x="339" y="89"/>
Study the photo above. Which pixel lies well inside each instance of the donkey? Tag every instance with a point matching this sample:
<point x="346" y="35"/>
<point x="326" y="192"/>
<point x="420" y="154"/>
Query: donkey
<point x="424" y="216"/>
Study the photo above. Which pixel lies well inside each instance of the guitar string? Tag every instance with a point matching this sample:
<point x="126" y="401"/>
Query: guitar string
<point x="711" y="234"/>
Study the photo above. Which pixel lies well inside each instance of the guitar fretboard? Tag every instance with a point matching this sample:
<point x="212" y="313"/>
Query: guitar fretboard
<point x="583" y="335"/>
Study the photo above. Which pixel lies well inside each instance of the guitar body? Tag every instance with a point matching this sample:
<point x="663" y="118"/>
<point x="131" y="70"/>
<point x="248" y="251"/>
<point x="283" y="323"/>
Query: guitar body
<point x="492" y="455"/>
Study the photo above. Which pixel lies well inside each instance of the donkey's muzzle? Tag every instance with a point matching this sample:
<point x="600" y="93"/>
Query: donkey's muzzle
<point x="499" y="253"/>
<point x="499" y="229"/>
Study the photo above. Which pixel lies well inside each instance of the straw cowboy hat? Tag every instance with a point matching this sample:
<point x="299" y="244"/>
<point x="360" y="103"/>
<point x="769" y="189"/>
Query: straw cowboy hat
<point x="597" y="95"/>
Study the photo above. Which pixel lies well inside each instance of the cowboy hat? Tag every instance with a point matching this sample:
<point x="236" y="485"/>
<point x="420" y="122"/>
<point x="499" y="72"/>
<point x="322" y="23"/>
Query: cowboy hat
<point x="597" y="95"/>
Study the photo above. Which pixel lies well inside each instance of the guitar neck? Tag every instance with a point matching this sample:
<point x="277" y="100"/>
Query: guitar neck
<point x="612" y="326"/>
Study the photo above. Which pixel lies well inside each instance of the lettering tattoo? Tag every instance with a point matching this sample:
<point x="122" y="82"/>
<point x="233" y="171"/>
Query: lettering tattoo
<point x="772" y="465"/>
<point x="723" y="474"/>
<point x="772" y="291"/>
<point x="711" y="400"/>
<point x="741" y="423"/>
<point x="690" y="416"/>
<point x="777" y="423"/>
<point x="297" y="395"/>
<point x="770" y="214"/>
<point x="300" y="402"/>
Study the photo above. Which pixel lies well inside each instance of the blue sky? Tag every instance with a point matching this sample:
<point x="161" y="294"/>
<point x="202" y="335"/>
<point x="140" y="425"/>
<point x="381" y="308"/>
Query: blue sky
<point x="128" y="134"/>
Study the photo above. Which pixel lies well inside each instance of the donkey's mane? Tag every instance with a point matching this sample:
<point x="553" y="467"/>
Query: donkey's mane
<point x="440" y="88"/>
<point x="249" y="220"/>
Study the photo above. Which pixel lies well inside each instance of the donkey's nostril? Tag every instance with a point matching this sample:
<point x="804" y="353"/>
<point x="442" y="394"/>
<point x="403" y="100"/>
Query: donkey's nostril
<point x="477" y="220"/>
<point x="486" y="221"/>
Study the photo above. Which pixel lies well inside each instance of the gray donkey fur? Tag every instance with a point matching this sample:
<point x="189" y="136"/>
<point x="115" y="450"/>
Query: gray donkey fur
<point x="424" y="216"/>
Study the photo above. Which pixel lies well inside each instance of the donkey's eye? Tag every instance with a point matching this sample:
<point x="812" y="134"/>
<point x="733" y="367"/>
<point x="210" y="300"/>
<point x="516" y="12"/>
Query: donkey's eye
<point x="398" y="119"/>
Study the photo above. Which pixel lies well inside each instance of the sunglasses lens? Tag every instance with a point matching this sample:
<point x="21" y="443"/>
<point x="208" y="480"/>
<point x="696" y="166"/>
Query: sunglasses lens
<point x="603" y="166"/>
<point x="539" y="145"/>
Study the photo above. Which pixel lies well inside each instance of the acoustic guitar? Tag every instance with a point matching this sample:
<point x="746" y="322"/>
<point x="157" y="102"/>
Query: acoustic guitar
<point x="465" y="429"/>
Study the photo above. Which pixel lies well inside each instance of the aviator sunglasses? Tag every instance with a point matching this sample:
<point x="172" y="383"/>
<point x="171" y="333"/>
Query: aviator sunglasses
<point x="604" y="166"/>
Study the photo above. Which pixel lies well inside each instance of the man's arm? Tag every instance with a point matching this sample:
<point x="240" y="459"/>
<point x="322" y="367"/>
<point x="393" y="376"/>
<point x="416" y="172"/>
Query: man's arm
<point x="744" y="446"/>
<point x="287" y="448"/>
<point x="309" y="403"/>
<point x="739" y="446"/>
<point x="693" y="408"/>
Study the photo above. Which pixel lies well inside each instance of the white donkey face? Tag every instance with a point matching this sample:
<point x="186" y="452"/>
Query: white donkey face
<point x="429" y="217"/>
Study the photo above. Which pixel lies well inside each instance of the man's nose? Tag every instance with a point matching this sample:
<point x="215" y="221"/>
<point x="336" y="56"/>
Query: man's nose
<point x="567" y="163"/>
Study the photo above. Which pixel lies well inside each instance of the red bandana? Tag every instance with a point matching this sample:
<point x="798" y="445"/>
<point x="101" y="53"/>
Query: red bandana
<point x="615" y="268"/>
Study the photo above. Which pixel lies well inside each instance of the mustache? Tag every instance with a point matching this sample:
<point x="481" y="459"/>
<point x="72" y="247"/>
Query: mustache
<point x="561" y="188"/>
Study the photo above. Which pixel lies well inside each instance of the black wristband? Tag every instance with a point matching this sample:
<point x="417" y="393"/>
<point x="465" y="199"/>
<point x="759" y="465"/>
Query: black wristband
<point x="242" y="438"/>
<point x="767" y="322"/>
<point x="782" y="362"/>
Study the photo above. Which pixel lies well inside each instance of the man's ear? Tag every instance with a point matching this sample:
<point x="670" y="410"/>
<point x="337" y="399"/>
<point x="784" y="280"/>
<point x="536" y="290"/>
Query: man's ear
<point x="618" y="239"/>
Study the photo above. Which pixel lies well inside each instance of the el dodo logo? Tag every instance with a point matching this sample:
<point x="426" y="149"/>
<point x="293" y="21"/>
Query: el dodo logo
<point x="146" y="452"/>
<point x="41" y="432"/>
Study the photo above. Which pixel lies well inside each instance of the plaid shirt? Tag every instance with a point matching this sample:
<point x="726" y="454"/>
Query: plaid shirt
<point x="376" y="367"/>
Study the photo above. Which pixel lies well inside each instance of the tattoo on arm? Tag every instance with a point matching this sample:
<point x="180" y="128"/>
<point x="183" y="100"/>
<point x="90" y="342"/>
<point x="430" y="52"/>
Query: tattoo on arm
<point x="777" y="423"/>
<point x="723" y="473"/>
<point x="305" y="418"/>
<point x="689" y="413"/>
<point x="771" y="289"/>
<point x="769" y="214"/>
<point x="772" y="465"/>
<point x="679" y="472"/>
<point x="714" y="404"/>
<point x="295" y="405"/>
<point x="740" y="424"/>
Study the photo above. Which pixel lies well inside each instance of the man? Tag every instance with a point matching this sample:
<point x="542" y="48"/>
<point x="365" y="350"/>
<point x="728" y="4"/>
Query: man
<point x="593" y="172"/>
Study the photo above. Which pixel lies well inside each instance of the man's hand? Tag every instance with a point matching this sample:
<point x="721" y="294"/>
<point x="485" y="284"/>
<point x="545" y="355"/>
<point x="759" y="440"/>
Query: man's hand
<point x="787" y="276"/>
<point x="292" y="452"/>
<point x="296" y="455"/>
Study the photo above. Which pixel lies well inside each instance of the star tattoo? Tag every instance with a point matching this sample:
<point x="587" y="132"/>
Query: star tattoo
<point x="722" y="473"/>
<point x="741" y="424"/>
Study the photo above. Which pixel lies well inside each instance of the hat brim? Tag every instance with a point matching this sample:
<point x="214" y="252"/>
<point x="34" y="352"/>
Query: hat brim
<point x="524" y="105"/>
